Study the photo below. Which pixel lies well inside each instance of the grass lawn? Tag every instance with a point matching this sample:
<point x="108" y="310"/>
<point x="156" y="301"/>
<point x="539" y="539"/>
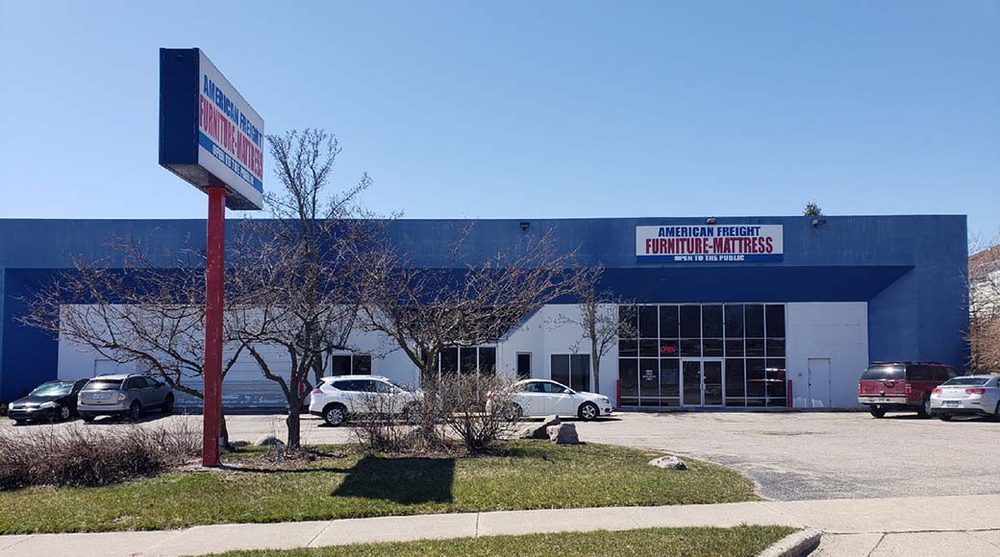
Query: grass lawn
<point x="653" y="542"/>
<point x="531" y="475"/>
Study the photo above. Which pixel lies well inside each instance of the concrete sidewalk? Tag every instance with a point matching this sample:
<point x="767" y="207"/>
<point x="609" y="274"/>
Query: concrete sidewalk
<point x="966" y="525"/>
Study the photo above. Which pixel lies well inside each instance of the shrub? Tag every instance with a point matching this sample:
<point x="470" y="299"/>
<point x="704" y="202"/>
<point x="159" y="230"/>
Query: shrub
<point x="464" y="409"/>
<point x="77" y="456"/>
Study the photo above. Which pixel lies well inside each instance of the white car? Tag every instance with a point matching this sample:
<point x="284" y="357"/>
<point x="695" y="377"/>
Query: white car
<point x="339" y="397"/>
<point x="969" y="395"/>
<point x="541" y="397"/>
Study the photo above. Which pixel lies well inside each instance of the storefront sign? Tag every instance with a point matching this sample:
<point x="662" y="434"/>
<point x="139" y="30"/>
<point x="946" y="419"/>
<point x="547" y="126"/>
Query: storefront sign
<point x="710" y="243"/>
<point x="209" y="134"/>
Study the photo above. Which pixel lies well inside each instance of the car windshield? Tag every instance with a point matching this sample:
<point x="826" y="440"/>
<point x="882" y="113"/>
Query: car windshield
<point x="967" y="381"/>
<point x="53" y="389"/>
<point x="886" y="371"/>
<point x="104" y="384"/>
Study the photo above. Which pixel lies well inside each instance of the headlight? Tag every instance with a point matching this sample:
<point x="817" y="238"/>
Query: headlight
<point x="47" y="405"/>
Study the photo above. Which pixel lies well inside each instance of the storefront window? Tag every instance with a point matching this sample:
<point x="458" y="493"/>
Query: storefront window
<point x="749" y="339"/>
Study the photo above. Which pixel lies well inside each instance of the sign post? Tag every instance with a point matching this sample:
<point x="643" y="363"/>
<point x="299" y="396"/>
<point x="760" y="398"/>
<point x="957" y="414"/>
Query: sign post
<point x="212" y="138"/>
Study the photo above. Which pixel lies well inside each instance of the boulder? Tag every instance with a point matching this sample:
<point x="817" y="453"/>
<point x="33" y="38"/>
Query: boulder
<point x="668" y="463"/>
<point x="270" y="441"/>
<point x="563" y="434"/>
<point x="538" y="430"/>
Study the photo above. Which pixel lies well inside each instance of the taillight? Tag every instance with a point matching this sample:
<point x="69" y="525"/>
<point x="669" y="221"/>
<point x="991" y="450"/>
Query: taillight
<point x="317" y="391"/>
<point x="909" y="389"/>
<point x="121" y="397"/>
<point x="937" y="390"/>
<point x="975" y="391"/>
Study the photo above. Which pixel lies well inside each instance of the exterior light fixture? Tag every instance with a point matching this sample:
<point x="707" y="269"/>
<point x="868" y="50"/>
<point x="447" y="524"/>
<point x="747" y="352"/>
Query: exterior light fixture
<point x="818" y="222"/>
<point x="710" y="220"/>
<point x="525" y="225"/>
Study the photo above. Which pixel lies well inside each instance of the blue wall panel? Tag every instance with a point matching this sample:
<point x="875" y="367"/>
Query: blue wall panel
<point x="908" y="268"/>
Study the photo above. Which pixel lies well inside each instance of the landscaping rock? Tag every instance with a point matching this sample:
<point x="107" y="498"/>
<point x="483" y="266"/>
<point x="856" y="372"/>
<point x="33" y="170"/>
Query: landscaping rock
<point x="538" y="431"/>
<point x="270" y="441"/>
<point x="563" y="434"/>
<point x="668" y="463"/>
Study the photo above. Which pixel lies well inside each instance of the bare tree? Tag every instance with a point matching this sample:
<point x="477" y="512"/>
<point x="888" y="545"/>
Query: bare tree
<point x="597" y="318"/>
<point x="299" y="270"/>
<point x="426" y="311"/>
<point x="984" y="306"/>
<point x="135" y="312"/>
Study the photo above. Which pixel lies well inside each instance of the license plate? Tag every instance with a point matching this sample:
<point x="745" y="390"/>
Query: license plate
<point x="101" y="396"/>
<point x="883" y="400"/>
<point x="951" y="404"/>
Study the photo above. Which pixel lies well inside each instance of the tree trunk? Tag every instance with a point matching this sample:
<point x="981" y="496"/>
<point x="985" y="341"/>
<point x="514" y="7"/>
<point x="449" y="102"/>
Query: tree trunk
<point x="595" y="356"/>
<point x="294" y="427"/>
<point x="224" y="434"/>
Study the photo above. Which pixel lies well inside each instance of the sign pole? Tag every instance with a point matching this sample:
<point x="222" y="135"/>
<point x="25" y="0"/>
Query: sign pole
<point x="215" y="276"/>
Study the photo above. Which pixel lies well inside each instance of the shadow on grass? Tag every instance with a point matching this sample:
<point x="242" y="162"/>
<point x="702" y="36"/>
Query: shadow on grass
<point x="407" y="481"/>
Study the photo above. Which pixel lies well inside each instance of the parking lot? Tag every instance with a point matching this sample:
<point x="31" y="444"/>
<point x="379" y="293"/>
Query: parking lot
<point x="794" y="455"/>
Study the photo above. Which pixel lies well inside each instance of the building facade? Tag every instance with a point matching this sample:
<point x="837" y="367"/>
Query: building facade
<point x="735" y="312"/>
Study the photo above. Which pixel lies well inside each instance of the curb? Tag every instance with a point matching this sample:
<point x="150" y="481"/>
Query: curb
<point x="798" y="544"/>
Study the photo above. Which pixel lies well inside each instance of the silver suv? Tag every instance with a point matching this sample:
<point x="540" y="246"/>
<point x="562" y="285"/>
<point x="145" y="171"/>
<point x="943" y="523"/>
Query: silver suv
<point x="126" y="396"/>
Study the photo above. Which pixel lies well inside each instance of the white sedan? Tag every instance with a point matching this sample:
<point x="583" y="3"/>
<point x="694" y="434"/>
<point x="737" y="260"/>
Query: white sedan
<point x="541" y="397"/>
<point x="970" y="395"/>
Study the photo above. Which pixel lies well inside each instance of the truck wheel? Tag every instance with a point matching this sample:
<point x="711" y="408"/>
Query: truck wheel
<point x="877" y="412"/>
<point x="925" y="408"/>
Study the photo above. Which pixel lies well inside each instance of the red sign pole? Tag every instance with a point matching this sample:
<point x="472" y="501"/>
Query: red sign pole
<point x="215" y="276"/>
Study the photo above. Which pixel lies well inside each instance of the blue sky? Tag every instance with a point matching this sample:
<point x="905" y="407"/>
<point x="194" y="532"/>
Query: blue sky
<point x="528" y="109"/>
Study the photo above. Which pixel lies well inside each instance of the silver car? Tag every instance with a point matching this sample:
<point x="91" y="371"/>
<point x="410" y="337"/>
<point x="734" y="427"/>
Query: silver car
<point x="128" y="396"/>
<point x="970" y="395"/>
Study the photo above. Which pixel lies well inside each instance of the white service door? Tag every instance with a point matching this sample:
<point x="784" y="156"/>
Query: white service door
<point x="818" y="383"/>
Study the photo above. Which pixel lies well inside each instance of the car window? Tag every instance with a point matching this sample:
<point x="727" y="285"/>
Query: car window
<point x="137" y="383"/>
<point x="381" y="387"/>
<point x="104" y="384"/>
<point x="884" y="371"/>
<point x="553" y="388"/>
<point x="918" y="373"/>
<point x="350" y="386"/>
<point x="968" y="381"/>
<point x="531" y="387"/>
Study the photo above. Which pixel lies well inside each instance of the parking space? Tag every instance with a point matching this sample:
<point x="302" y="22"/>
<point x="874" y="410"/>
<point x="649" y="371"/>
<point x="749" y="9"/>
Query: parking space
<point x="794" y="455"/>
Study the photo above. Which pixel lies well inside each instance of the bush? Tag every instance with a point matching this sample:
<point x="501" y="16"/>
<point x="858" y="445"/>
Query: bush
<point x="463" y="401"/>
<point x="79" y="457"/>
<point x="454" y="408"/>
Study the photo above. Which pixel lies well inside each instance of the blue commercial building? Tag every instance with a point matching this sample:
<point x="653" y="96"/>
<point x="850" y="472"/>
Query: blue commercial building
<point x="727" y="312"/>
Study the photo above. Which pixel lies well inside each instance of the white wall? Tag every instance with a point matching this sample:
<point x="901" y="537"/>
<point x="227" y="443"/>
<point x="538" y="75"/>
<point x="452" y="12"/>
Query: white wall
<point x="838" y="331"/>
<point x="834" y="330"/>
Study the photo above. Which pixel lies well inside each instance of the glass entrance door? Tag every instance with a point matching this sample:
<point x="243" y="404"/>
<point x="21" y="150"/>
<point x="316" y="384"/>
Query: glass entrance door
<point x="702" y="382"/>
<point x="691" y="381"/>
<point x="712" y="382"/>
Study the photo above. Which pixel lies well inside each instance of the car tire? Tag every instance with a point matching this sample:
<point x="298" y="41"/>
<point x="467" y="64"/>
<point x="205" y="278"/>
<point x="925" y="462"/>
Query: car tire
<point x="168" y="405"/>
<point x="19" y="422"/>
<point x="944" y="417"/>
<point x="335" y="414"/>
<point x="589" y="411"/>
<point x="65" y="413"/>
<point x="925" y="408"/>
<point x="134" y="411"/>
<point x="513" y="412"/>
<point x="996" y="413"/>
<point x="877" y="412"/>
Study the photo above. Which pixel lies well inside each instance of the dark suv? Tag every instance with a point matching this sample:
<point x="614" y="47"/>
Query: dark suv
<point x="901" y="386"/>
